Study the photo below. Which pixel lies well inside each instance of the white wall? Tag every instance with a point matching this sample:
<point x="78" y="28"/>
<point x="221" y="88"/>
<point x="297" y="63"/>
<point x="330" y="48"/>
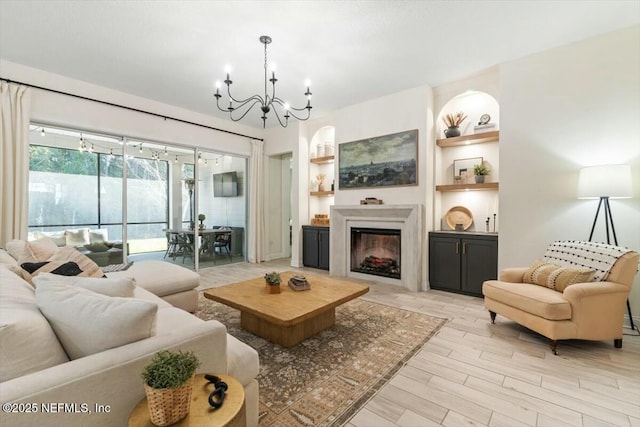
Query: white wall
<point x="56" y="109"/>
<point x="563" y="109"/>
<point x="407" y="110"/>
<point x="223" y="211"/>
<point x="280" y="145"/>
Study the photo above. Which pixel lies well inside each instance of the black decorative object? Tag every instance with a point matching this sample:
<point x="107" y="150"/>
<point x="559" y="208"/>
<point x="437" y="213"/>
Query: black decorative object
<point x="216" y="397"/>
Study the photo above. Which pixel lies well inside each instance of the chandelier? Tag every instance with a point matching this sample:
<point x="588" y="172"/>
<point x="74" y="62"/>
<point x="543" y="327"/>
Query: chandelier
<point x="267" y="103"/>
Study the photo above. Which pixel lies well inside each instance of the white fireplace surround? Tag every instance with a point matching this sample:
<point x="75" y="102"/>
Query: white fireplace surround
<point x="407" y="218"/>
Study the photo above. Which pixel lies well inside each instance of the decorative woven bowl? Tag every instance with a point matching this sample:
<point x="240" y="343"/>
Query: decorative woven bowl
<point x="169" y="405"/>
<point x="459" y="215"/>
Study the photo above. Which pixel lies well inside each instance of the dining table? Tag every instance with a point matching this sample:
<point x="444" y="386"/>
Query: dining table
<point x="209" y="237"/>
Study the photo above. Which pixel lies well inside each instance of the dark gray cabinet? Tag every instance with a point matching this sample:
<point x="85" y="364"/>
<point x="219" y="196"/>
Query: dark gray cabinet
<point x="315" y="247"/>
<point x="461" y="262"/>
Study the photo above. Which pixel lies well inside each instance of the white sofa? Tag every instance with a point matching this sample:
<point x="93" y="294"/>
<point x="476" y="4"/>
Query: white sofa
<point x="34" y="372"/>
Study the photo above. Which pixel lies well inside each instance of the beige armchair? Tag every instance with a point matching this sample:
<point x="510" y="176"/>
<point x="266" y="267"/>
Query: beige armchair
<point x="588" y="311"/>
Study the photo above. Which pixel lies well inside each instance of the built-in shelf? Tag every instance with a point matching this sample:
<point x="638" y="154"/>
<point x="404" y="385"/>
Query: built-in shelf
<point x="323" y="160"/>
<point x="321" y="193"/>
<point x="476" y="138"/>
<point x="467" y="187"/>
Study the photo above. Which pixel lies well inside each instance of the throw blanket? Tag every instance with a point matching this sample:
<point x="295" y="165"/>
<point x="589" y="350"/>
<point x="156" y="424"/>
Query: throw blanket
<point x="594" y="256"/>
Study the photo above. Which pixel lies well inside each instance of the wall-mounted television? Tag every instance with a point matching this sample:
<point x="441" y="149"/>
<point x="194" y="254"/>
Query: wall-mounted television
<point x="225" y="184"/>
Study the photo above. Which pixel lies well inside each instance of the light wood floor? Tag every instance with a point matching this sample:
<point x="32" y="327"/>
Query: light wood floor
<point x="473" y="373"/>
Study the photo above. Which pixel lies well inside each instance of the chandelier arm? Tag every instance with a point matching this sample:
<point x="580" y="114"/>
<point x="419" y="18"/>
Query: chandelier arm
<point x="281" y="102"/>
<point x="243" y="101"/>
<point x="286" y="122"/>
<point x="292" y="110"/>
<point x="295" y="116"/>
<point x="246" y="111"/>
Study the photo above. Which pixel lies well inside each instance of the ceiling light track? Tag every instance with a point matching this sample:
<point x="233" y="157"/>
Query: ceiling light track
<point x="267" y="102"/>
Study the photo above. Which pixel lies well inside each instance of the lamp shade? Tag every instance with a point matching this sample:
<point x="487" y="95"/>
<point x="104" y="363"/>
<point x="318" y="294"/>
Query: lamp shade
<point x="613" y="181"/>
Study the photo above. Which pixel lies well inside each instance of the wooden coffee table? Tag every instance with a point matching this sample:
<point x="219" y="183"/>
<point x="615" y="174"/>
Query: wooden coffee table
<point x="289" y="317"/>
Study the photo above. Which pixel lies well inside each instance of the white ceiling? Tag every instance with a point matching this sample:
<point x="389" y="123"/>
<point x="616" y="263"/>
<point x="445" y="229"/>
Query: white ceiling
<point x="174" y="51"/>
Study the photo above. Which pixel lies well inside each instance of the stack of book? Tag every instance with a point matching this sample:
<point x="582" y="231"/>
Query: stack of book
<point x="299" y="283"/>
<point x="320" y="219"/>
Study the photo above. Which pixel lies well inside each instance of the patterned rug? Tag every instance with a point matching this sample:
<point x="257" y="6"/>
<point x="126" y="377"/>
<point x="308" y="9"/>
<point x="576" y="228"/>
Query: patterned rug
<point x="326" y="379"/>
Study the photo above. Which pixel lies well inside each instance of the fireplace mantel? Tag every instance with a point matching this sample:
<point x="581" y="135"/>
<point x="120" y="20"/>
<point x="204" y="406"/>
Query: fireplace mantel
<point x="408" y="218"/>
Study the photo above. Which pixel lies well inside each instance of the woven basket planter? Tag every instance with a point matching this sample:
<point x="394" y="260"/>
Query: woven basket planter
<point x="169" y="405"/>
<point x="271" y="289"/>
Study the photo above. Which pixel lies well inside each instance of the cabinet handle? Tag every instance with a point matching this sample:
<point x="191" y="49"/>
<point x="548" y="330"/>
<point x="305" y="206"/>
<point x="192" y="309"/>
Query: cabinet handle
<point x="457" y="248"/>
<point x="464" y="248"/>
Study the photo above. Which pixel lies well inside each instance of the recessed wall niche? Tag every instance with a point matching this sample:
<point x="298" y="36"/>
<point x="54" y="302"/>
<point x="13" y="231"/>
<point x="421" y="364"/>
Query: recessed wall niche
<point x="482" y="204"/>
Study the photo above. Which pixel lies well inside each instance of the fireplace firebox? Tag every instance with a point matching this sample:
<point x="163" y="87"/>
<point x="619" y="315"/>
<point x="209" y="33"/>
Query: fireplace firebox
<point x="376" y="251"/>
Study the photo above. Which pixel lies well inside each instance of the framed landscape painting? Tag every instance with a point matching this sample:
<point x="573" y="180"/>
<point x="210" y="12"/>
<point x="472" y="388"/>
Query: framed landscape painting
<point x="382" y="161"/>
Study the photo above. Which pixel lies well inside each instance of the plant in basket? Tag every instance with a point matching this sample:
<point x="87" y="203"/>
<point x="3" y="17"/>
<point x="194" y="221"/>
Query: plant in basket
<point x="273" y="282"/>
<point x="168" y="383"/>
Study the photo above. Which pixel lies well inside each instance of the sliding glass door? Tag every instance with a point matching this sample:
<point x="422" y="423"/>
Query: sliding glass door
<point x="182" y="205"/>
<point x="222" y="207"/>
<point x="75" y="191"/>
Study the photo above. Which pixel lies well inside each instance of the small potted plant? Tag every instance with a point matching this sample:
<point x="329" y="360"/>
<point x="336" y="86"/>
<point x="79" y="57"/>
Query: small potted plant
<point x="453" y="122"/>
<point x="201" y="218"/>
<point x="168" y="383"/>
<point x="480" y="171"/>
<point x="273" y="282"/>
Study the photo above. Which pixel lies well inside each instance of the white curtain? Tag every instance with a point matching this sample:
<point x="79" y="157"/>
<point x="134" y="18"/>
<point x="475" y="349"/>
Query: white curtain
<point x="15" y="110"/>
<point x="256" y="202"/>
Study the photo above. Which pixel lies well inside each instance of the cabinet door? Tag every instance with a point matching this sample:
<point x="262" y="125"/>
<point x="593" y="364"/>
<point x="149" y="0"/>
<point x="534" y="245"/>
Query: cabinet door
<point x="323" y="249"/>
<point x="310" y="247"/>
<point x="444" y="263"/>
<point x="479" y="263"/>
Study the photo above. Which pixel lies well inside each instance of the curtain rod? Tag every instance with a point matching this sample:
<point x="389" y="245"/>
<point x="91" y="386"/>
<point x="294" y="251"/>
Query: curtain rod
<point x="129" y="108"/>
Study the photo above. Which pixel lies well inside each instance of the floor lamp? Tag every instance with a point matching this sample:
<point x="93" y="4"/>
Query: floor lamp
<point x="606" y="182"/>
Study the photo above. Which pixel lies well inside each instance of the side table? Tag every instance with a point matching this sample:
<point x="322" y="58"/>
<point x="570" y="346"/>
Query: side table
<point x="231" y="414"/>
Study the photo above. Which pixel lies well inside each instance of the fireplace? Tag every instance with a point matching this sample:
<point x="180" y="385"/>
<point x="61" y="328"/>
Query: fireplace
<point x="407" y="219"/>
<point x="376" y="251"/>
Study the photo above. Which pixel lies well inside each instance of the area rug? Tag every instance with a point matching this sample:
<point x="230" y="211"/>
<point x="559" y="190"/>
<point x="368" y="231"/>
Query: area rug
<point x="326" y="379"/>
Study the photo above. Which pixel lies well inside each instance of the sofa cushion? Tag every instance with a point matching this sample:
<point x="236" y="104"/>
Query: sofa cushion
<point x="58" y="237"/>
<point x="97" y="247"/>
<point x="242" y="361"/>
<point x="537" y="300"/>
<point x="123" y="287"/>
<point x="27" y="341"/>
<point x="7" y="259"/>
<point x="78" y="237"/>
<point x="88" y="267"/>
<point x="87" y="322"/>
<point x="554" y="277"/>
<point x="161" y="278"/>
<point x="43" y="248"/>
<point x="63" y="268"/>
<point x="20" y="251"/>
<point x="98" y="236"/>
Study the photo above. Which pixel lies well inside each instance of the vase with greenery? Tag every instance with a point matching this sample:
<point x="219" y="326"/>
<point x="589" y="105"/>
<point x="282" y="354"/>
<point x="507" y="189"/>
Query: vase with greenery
<point x="168" y="383"/>
<point x="453" y="122"/>
<point x="480" y="171"/>
<point x="273" y="281"/>
<point x="201" y="218"/>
